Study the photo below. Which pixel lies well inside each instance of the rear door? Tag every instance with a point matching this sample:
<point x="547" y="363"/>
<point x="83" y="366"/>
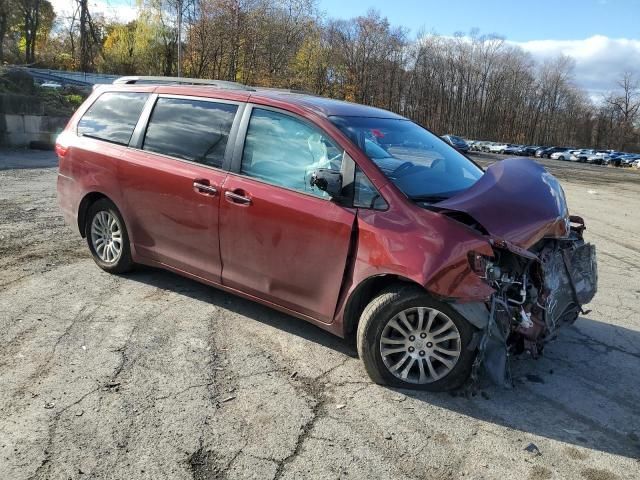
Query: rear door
<point x="172" y="179"/>
<point x="280" y="239"/>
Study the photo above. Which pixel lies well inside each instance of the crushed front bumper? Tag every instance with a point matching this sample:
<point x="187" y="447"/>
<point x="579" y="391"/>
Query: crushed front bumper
<point x="567" y="277"/>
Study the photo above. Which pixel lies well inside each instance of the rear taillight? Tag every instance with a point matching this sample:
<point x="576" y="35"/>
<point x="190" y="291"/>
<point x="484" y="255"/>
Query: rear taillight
<point x="61" y="150"/>
<point x="62" y="145"/>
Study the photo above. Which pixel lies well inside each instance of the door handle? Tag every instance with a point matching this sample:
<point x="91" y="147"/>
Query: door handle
<point x="203" y="187"/>
<point x="237" y="198"/>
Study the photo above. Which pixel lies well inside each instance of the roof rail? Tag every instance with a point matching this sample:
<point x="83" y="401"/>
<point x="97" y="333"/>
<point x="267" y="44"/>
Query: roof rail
<point x="134" y="80"/>
<point x="285" y="90"/>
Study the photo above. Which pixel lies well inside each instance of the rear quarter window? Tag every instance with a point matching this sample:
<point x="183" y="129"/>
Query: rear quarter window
<point x="113" y="116"/>
<point x="194" y="130"/>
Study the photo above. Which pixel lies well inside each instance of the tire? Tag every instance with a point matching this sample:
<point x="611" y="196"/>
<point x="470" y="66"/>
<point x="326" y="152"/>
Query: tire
<point x="376" y="320"/>
<point x="102" y="213"/>
<point x="561" y="158"/>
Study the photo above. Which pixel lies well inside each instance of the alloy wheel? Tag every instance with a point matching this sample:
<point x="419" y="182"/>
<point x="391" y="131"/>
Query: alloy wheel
<point x="420" y="345"/>
<point x="106" y="236"/>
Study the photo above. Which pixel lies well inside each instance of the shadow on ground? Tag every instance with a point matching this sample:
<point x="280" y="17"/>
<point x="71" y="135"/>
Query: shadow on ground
<point x="20" y="159"/>
<point x="582" y="392"/>
<point x="169" y="281"/>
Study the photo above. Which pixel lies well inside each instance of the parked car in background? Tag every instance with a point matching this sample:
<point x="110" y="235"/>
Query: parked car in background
<point x="540" y="151"/>
<point x="477" y="145"/>
<point x="497" y="147"/>
<point x="581" y="154"/>
<point x="615" y="158"/>
<point x="628" y="159"/>
<point x="546" y="152"/>
<point x="512" y="149"/>
<point x="598" y="158"/>
<point x="530" y="150"/>
<point x="52" y="85"/>
<point x="561" y="154"/>
<point x="456" y="142"/>
<point x="486" y="146"/>
<point x="328" y="211"/>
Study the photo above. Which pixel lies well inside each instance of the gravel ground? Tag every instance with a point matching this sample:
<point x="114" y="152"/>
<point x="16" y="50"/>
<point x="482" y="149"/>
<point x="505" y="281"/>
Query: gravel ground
<point x="150" y="375"/>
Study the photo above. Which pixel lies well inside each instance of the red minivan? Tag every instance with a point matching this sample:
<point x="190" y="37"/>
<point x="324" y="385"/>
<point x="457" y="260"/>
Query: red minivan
<point x="350" y="217"/>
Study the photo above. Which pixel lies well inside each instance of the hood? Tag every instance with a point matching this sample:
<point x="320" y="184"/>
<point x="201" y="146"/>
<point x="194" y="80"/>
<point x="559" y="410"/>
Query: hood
<point x="516" y="200"/>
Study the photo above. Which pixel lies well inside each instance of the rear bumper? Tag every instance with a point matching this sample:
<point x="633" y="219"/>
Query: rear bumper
<point x="68" y="199"/>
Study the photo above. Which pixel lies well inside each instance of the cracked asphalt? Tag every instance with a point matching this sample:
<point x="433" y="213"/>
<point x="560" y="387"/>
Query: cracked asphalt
<point x="150" y="375"/>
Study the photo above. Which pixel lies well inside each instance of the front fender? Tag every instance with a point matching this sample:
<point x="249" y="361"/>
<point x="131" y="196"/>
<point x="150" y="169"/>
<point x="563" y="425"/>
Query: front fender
<point x="430" y="250"/>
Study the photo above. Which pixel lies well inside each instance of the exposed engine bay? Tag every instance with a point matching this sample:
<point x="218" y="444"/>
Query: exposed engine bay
<point x="542" y="272"/>
<point x="536" y="292"/>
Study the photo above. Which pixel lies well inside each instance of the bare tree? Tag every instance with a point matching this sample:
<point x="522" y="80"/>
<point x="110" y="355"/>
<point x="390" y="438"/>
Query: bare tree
<point x="90" y="41"/>
<point x="472" y="85"/>
<point x="625" y="109"/>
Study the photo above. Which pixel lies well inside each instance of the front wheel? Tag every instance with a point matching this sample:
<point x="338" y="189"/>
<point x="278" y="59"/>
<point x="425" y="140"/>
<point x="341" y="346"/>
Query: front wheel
<point x="107" y="237"/>
<point x="407" y="339"/>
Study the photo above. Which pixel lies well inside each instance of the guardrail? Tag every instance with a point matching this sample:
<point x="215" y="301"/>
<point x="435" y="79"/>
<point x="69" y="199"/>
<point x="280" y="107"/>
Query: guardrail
<point x="63" y="77"/>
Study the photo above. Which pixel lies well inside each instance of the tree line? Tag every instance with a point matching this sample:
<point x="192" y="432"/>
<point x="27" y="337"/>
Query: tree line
<point x="473" y="85"/>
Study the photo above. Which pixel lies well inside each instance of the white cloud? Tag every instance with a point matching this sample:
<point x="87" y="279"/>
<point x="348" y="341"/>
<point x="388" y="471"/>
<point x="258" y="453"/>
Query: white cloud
<point x="121" y="10"/>
<point x="599" y="61"/>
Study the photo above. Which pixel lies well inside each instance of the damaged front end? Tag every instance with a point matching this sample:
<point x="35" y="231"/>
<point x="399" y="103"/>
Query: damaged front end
<point x="542" y="271"/>
<point x="536" y="293"/>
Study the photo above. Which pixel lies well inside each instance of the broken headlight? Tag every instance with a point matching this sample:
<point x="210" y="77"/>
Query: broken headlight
<point x="484" y="267"/>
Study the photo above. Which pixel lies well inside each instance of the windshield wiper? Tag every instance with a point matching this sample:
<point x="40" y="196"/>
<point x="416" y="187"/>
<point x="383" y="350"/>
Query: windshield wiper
<point x="428" y="198"/>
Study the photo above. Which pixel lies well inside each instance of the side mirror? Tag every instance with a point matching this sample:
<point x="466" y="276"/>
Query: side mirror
<point x="327" y="180"/>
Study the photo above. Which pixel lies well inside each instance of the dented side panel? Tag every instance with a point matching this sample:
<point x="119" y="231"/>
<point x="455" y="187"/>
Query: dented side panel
<point x="414" y="244"/>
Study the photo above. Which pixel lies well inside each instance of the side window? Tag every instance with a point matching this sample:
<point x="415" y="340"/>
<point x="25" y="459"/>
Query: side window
<point x="194" y="130"/>
<point x="113" y="116"/>
<point x="285" y="151"/>
<point x="365" y="194"/>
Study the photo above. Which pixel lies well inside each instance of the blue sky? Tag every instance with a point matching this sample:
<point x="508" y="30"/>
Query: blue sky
<point x="518" y="20"/>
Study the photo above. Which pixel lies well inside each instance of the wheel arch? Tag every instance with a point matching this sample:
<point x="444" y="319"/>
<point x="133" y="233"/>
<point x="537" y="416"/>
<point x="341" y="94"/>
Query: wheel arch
<point x="86" y="202"/>
<point x="364" y="293"/>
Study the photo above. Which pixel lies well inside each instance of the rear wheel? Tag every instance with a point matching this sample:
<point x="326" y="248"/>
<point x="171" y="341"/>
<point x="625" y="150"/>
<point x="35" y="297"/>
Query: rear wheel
<point x="107" y="237"/>
<point x="407" y="339"/>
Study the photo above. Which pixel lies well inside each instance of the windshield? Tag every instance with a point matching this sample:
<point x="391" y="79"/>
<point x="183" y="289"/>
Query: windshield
<point x="421" y="165"/>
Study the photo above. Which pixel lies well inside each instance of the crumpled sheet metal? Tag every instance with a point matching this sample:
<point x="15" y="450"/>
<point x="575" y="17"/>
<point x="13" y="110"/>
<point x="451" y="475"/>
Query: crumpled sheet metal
<point x="570" y="280"/>
<point x="584" y="271"/>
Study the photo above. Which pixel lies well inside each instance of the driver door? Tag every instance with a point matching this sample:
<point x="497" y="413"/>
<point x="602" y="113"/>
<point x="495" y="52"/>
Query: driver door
<point x="281" y="239"/>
